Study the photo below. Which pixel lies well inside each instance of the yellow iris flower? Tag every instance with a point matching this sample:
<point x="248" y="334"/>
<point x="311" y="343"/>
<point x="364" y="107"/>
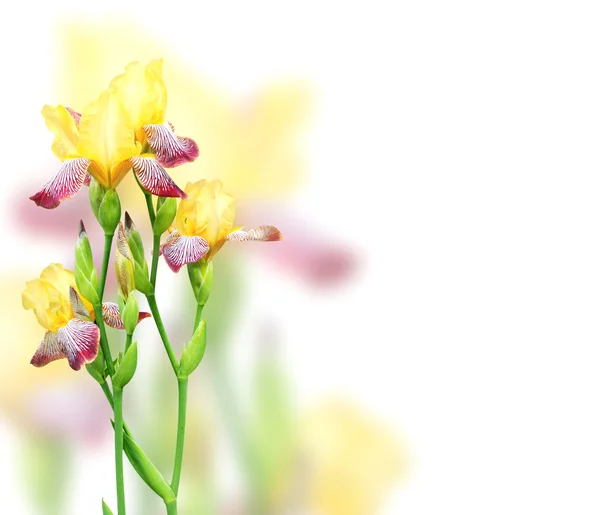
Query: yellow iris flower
<point x="123" y="129"/>
<point x="204" y="222"/>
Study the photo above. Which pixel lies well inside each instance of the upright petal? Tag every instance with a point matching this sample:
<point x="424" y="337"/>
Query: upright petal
<point x="106" y="134"/>
<point x="68" y="180"/>
<point x="79" y="340"/>
<point x="180" y="250"/>
<point x="76" y="116"/>
<point x="142" y="92"/>
<point x="170" y="149"/>
<point x="154" y="178"/>
<point x="64" y="127"/>
<point x="49" y="350"/>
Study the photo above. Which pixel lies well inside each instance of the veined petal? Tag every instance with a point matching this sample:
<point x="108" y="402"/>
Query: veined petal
<point x="154" y="178"/>
<point x="49" y="350"/>
<point x="170" y="149"/>
<point x="180" y="250"/>
<point x="80" y="310"/>
<point x="112" y="315"/>
<point x="105" y="133"/>
<point x="260" y="233"/>
<point x="79" y="340"/>
<point x="64" y="127"/>
<point x="68" y="180"/>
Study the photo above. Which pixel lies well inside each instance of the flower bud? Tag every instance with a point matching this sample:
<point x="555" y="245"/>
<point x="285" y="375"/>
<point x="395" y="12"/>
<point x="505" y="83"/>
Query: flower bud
<point x="124" y="264"/>
<point x="96" y="367"/>
<point x="130" y="314"/>
<point x="106" y="206"/>
<point x="201" y="278"/>
<point x="126" y="368"/>
<point x="140" y="270"/>
<point x="86" y="277"/>
<point x="165" y="214"/>
<point x="193" y="352"/>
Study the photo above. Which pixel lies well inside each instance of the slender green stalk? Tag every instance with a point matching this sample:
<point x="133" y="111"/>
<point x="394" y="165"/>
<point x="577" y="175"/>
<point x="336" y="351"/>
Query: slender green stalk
<point x="155" y="254"/>
<point x="198" y="317"/>
<point x="181" y="416"/>
<point x="108" y="238"/>
<point x="163" y="334"/>
<point x="172" y="508"/>
<point x="149" y="204"/>
<point x="104" y="339"/>
<point x="118" y="410"/>
<point x="108" y="394"/>
<point x="128" y="340"/>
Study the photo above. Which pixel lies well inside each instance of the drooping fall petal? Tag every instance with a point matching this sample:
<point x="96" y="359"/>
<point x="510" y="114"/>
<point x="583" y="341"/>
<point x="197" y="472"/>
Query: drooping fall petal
<point x="154" y="178"/>
<point x="67" y="182"/>
<point x="49" y="350"/>
<point x="260" y="233"/>
<point x="79" y="340"/>
<point x="112" y="315"/>
<point x="170" y="149"/>
<point x="180" y="250"/>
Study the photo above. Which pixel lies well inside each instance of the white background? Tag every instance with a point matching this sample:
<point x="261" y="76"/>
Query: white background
<point x="455" y="148"/>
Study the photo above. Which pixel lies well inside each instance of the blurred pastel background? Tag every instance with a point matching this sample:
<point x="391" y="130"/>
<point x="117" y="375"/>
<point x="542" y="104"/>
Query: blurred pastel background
<point x="425" y="338"/>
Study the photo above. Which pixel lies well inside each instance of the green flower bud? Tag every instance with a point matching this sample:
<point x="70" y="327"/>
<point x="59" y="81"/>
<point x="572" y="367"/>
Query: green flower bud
<point x="124" y="264"/>
<point x="126" y="368"/>
<point x="130" y="314"/>
<point x="193" y="352"/>
<point x="201" y="278"/>
<point x="96" y="367"/>
<point x="165" y="214"/>
<point x="106" y="206"/>
<point x="135" y="242"/>
<point x="142" y="283"/>
<point x="106" y="509"/>
<point x="86" y="277"/>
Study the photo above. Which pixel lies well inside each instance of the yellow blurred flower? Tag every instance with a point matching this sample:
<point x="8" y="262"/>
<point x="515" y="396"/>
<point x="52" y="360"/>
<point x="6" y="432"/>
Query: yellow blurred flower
<point x="204" y="222"/>
<point x="351" y="461"/>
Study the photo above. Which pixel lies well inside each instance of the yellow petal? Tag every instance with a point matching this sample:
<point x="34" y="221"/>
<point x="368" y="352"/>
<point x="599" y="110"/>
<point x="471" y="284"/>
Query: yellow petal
<point x="65" y="130"/>
<point x="142" y="92"/>
<point x="106" y="135"/>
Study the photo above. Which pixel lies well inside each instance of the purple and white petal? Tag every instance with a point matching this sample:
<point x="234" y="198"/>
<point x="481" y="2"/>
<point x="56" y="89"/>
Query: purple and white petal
<point x="112" y="315"/>
<point x="68" y="180"/>
<point x="154" y="178"/>
<point x="170" y="149"/>
<point x="49" y="350"/>
<point x="79" y="340"/>
<point x="180" y="250"/>
<point x="260" y="233"/>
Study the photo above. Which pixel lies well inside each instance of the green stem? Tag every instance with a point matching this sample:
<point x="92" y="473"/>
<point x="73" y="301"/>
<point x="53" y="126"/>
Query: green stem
<point x="118" y="409"/>
<point x="128" y="339"/>
<point x="198" y="316"/>
<point x="108" y="238"/>
<point x="163" y="334"/>
<point x="149" y="204"/>
<point x="104" y="339"/>
<point x="172" y="508"/>
<point x="155" y="254"/>
<point x="108" y="394"/>
<point x="181" y="415"/>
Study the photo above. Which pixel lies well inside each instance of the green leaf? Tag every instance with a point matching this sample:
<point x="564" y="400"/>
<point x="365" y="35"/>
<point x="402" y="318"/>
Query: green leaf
<point x="126" y="368"/>
<point x="106" y="509"/>
<point x="96" y="367"/>
<point x="193" y="351"/>
<point x="146" y="469"/>
<point x="164" y="215"/>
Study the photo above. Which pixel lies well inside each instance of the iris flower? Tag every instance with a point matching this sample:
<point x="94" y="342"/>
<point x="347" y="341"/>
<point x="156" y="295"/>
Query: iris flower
<point x="204" y="222"/>
<point x="123" y="129"/>
<point x="67" y="317"/>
